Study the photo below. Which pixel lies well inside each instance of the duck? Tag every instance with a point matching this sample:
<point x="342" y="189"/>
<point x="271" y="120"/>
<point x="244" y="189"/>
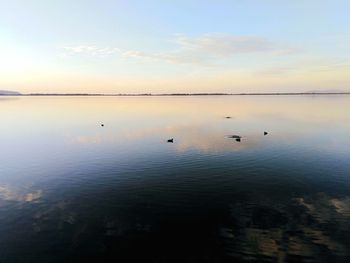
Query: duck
<point x="265" y="133"/>
<point x="235" y="136"/>
<point x="171" y="140"/>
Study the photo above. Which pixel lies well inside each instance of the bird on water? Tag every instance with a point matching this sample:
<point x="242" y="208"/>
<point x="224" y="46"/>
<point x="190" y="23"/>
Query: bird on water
<point x="236" y="137"/>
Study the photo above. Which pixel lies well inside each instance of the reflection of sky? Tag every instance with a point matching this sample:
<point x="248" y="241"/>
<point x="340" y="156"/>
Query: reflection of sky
<point x="200" y="123"/>
<point x="304" y="240"/>
<point x="11" y="194"/>
<point x="45" y="134"/>
<point x="34" y="118"/>
<point x="63" y="171"/>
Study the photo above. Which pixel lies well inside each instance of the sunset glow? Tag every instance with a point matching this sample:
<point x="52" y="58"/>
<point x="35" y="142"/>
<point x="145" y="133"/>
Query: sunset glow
<point x="160" y="47"/>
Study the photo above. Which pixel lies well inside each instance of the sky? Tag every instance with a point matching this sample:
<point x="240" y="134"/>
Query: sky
<point x="127" y="46"/>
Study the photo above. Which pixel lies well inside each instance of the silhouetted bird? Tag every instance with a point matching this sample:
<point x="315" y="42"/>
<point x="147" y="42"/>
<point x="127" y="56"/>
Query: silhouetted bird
<point x="235" y="136"/>
<point x="102" y="125"/>
<point x="171" y="140"/>
<point x="265" y="133"/>
<point x="228" y="117"/>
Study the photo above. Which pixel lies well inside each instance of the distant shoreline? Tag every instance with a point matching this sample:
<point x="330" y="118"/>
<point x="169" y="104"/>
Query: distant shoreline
<point x="178" y="94"/>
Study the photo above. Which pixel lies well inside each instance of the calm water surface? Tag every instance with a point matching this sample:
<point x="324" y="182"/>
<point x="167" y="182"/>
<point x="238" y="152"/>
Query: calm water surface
<point x="72" y="190"/>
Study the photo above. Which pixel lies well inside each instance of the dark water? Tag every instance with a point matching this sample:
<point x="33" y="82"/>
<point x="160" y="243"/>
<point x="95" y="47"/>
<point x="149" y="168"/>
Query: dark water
<point x="74" y="191"/>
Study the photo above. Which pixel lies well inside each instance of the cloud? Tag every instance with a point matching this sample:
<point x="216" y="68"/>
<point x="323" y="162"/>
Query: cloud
<point x="211" y="48"/>
<point x="91" y="50"/>
<point x="203" y="50"/>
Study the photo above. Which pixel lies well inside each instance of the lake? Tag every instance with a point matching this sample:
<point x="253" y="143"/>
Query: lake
<point x="73" y="190"/>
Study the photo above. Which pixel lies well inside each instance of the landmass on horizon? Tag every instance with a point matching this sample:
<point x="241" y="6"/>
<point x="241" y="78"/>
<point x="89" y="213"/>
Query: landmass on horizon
<point x="328" y="92"/>
<point x="9" y="93"/>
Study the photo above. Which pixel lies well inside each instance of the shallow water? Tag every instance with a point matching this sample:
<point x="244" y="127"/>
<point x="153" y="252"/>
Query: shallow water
<point x="72" y="190"/>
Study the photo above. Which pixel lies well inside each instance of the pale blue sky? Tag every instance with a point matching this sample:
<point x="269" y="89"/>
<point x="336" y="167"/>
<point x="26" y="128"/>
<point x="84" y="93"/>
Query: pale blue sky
<point x="174" y="46"/>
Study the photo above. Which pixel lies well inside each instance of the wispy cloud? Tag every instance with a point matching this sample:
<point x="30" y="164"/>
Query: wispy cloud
<point x="203" y="50"/>
<point x="211" y="48"/>
<point x="91" y="50"/>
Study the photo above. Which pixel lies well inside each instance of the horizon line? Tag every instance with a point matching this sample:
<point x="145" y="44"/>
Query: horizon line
<point x="179" y="94"/>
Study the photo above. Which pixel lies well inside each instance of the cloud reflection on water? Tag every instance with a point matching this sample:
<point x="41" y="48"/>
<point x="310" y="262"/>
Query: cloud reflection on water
<point x="304" y="227"/>
<point x="186" y="137"/>
<point x="266" y="201"/>
<point x="9" y="193"/>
